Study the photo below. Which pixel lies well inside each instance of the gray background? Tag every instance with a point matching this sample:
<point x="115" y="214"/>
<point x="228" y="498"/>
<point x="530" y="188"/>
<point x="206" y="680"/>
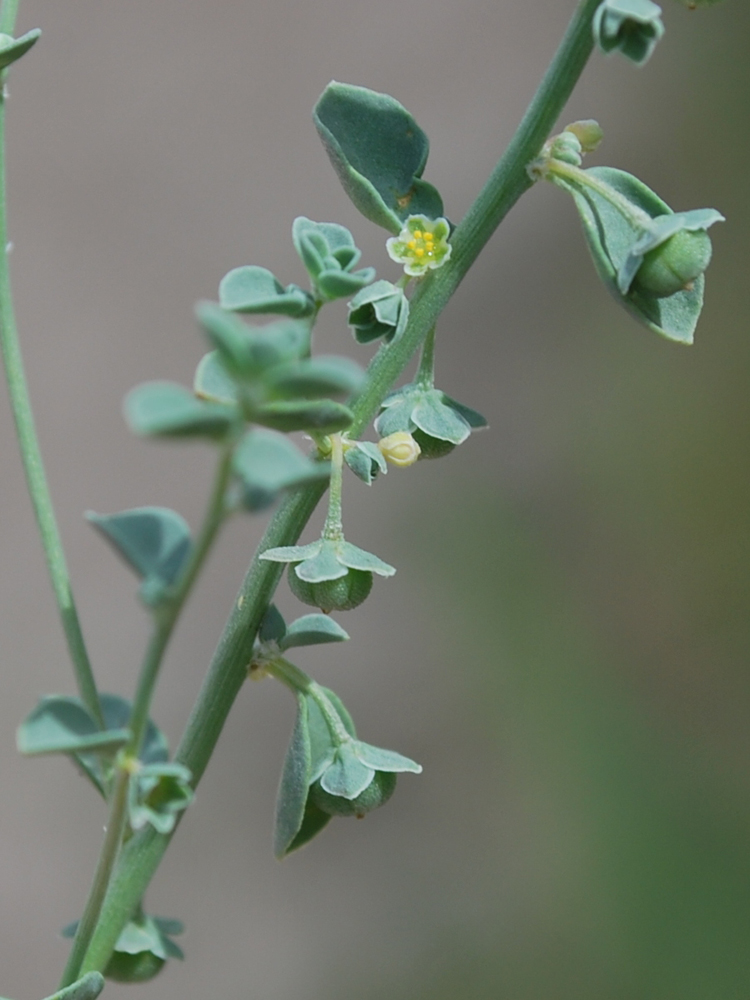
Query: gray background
<point x="565" y="644"/>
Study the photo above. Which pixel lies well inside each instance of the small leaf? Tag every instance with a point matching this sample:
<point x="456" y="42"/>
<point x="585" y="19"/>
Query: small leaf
<point x="381" y="310"/>
<point x="267" y="463"/>
<point x="315" y="378"/>
<point x="61" y="724"/>
<point x="248" y="351"/>
<point x="313" y="822"/>
<point x="474" y="419"/>
<point x="356" y="558"/>
<point x="379" y="153"/>
<point x="88" y="987"/>
<point x="293" y="789"/>
<point x="632" y="27"/>
<point x="365" y="460"/>
<point x="323" y="416"/>
<point x="312" y="630"/>
<point x="254" y="289"/>
<point x="165" y="409"/>
<point x="347" y="776"/>
<point x="157" y="793"/>
<point x="341" y="284"/>
<point x="213" y="382"/>
<point x="273" y="626"/>
<point x="433" y="417"/>
<point x="385" y="760"/>
<point x="12" y="49"/>
<point x="154" y="541"/>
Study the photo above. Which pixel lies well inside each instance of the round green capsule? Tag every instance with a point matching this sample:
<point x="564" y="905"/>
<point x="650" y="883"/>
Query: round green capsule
<point x="675" y="264"/>
<point x="431" y="447"/>
<point x="376" y="794"/>
<point x="343" y="594"/>
<point x="138" y="968"/>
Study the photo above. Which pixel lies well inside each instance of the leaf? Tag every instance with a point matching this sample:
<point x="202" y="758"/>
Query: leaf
<point x="213" y="382"/>
<point x="315" y="378"/>
<point x="61" y="724"/>
<point x="356" y="558"/>
<point x="267" y="463"/>
<point x="323" y="416"/>
<point x="438" y="420"/>
<point x="313" y="822"/>
<point x="273" y="626"/>
<point x="88" y="987"/>
<point x="385" y="760"/>
<point x="252" y="289"/>
<point x="154" y="541"/>
<point x="334" y="284"/>
<point x="610" y="237"/>
<point x="365" y="460"/>
<point x="293" y="788"/>
<point x="312" y="630"/>
<point x="166" y="409"/>
<point x="379" y="153"/>
<point x="248" y="351"/>
<point x="474" y="419"/>
<point x="347" y="776"/>
<point x="12" y="49"/>
<point x="157" y="793"/>
<point x="381" y="310"/>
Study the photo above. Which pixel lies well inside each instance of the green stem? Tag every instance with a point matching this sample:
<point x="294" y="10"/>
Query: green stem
<point x="27" y="438"/>
<point x="569" y="172"/>
<point x="165" y="619"/>
<point x="107" y="858"/>
<point x="140" y="857"/>
<point x="426" y="371"/>
<point x="334" y="528"/>
<point x="297" y="680"/>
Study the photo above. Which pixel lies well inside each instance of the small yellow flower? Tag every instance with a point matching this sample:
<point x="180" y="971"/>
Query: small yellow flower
<point x="422" y="244"/>
<point x="399" y="449"/>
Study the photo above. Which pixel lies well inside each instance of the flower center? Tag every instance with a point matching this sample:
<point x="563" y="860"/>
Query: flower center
<point x="422" y="244"/>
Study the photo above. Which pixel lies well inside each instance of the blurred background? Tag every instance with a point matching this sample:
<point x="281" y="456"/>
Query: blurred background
<point x="565" y="645"/>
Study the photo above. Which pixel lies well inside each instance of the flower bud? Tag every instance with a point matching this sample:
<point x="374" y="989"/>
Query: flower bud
<point x="400" y="449"/>
<point x="342" y="594"/>
<point x="588" y="132"/>
<point x="376" y="794"/>
<point x="675" y="264"/>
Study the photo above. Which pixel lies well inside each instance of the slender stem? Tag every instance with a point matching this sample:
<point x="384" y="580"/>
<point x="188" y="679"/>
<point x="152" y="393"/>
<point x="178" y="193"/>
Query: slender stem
<point x="165" y="620"/>
<point x="426" y="371"/>
<point x="140" y="857"/>
<point x="27" y="437"/>
<point x="334" y="528"/>
<point x="106" y="863"/>
<point x="557" y="168"/>
<point x="297" y="680"/>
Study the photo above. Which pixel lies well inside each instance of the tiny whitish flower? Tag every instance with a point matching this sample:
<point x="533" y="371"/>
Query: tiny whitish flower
<point x="422" y="245"/>
<point x="400" y="449"/>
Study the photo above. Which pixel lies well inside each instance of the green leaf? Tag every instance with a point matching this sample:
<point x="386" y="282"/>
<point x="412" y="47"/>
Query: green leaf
<point x="385" y="760"/>
<point x="323" y="416"/>
<point x="365" y="460"/>
<point x="88" y="987"/>
<point x="292" y="794"/>
<point x="381" y="310"/>
<point x="12" y="49"/>
<point x="273" y="626"/>
<point x="157" y="793"/>
<point x="356" y="558"/>
<point x="312" y="630"/>
<point x="435" y="418"/>
<point x="166" y="409"/>
<point x="61" y="724"/>
<point x="213" y="382"/>
<point x="313" y="822"/>
<point x="154" y="541"/>
<point x="248" y="351"/>
<point x="379" y="153"/>
<point x="315" y="378"/>
<point x="346" y="776"/>
<point x="341" y="284"/>
<point x="632" y="27"/>
<point x="252" y="289"/>
<point x="474" y="419"/>
<point x="610" y="236"/>
<point x="267" y="463"/>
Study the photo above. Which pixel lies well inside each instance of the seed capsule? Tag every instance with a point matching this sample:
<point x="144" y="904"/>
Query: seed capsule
<point x="376" y="794"/>
<point x="674" y="264"/>
<point x="343" y="594"/>
<point x="432" y="447"/>
<point x="125" y="968"/>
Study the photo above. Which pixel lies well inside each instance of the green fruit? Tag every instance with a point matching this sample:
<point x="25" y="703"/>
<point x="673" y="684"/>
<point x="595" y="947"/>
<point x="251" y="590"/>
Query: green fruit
<point x="431" y="447"/>
<point x="376" y="794"/>
<point x="138" y="968"/>
<point x="672" y="266"/>
<point x="332" y="595"/>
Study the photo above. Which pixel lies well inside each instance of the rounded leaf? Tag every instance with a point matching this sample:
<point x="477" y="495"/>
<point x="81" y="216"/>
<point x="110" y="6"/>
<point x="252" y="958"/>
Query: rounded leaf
<point x="166" y="409"/>
<point x="252" y="289"/>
